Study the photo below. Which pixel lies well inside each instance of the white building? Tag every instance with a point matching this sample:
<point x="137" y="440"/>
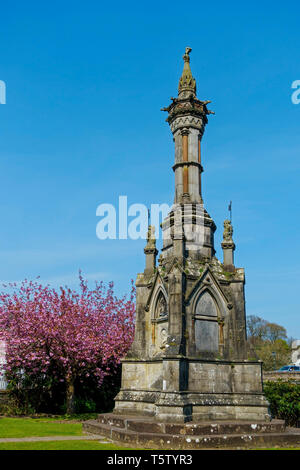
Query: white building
<point x="296" y="352"/>
<point x="3" y="382"/>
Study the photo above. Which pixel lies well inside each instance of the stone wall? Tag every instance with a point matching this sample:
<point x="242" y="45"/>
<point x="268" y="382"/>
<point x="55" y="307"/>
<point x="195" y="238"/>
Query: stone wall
<point x="285" y="376"/>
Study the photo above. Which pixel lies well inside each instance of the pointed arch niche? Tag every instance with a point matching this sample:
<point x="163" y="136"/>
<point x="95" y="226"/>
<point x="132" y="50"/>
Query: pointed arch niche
<point x="207" y="323"/>
<point x="161" y="307"/>
<point x="159" y="330"/>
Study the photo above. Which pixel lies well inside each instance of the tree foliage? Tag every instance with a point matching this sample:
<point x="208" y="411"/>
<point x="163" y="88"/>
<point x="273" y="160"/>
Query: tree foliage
<point x="59" y="340"/>
<point x="259" y="329"/>
<point x="268" y="342"/>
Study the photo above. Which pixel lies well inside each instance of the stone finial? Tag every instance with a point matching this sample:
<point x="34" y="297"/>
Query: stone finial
<point x="228" y="246"/>
<point x="228" y="231"/>
<point x="150" y="251"/>
<point x="187" y="83"/>
<point x="151" y="240"/>
<point x="187" y="53"/>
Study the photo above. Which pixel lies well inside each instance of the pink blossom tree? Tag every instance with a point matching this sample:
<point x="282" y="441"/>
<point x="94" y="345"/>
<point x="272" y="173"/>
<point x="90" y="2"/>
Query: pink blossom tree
<point x="71" y="335"/>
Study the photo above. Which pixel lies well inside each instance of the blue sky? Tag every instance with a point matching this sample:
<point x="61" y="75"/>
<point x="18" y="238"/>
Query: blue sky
<point x="82" y="125"/>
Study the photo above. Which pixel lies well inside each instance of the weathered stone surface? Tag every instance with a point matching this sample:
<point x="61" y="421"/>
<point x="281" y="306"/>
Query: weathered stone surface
<point x="272" y="376"/>
<point x="188" y="361"/>
<point x="149" y="434"/>
<point x="206" y="336"/>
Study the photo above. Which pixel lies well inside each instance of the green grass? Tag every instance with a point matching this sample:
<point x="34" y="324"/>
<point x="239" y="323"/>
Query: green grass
<point x="58" y="445"/>
<point x="41" y="427"/>
<point x="47" y="427"/>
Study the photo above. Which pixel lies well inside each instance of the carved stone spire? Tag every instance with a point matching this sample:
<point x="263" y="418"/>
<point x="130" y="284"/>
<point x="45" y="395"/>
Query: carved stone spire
<point x="150" y="251"/>
<point x="187" y="117"/>
<point x="187" y="83"/>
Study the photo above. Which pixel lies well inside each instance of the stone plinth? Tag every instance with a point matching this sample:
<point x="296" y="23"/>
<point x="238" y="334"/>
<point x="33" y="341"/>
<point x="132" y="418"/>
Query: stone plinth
<point x="188" y="389"/>
<point x="148" y="433"/>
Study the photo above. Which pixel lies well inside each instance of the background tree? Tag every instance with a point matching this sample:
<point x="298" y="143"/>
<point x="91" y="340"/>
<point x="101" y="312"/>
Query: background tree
<point x="275" y="332"/>
<point x="274" y="354"/>
<point x="256" y="328"/>
<point x="64" y="337"/>
<point x="268" y="342"/>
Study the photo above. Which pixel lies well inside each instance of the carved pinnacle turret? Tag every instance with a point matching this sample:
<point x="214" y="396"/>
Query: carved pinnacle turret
<point x="187" y="83"/>
<point x="150" y="251"/>
<point x="228" y="246"/>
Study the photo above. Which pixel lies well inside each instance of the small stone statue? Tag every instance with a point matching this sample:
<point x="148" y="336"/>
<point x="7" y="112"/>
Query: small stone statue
<point x="162" y="306"/>
<point x="228" y="231"/>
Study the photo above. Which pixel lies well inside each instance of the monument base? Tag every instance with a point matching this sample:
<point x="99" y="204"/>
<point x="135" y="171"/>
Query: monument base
<point x="189" y="389"/>
<point x="184" y="406"/>
<point x="150" y="433"/>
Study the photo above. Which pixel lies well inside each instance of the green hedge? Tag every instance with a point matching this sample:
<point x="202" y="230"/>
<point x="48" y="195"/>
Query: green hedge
<point x="284" y="399"/>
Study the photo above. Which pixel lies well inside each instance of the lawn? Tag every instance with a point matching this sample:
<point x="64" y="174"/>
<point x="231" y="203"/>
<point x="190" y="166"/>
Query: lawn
<point x="59" y="445"/>
<point x="47" y="427"/>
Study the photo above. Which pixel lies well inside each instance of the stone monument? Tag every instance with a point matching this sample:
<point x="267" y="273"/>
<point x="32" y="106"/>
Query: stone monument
<point x="187" y="382"/>
<point x="188" y="361"/>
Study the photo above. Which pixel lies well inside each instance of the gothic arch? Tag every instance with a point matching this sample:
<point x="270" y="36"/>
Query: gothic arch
<point x="209" y="305"/>
<point x="208" y="312"/>
<point x="159" y="301"/>
<point x="220" y="301"/>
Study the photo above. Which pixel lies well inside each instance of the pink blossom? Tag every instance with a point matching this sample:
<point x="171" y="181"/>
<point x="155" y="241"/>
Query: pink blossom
<point x="75" y="334"/>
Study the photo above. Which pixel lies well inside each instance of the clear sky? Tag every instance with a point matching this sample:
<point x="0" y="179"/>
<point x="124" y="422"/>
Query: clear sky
<point x="85" y="82"/>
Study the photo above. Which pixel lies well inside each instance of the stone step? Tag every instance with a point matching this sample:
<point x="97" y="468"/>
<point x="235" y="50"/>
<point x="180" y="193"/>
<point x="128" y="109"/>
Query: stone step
<point x="289" y="438"/>
<point x="93" y="426"/>
<point x="191" y="428"/>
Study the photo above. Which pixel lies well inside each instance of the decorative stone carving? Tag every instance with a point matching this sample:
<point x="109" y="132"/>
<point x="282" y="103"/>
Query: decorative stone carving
<point x="163" y="339"/>
<point x="228" y="231"/>
<point x="161" y="306"/>
<point x="187" y="83"/>
<point x="182" y="122"/>
<point x="189" y="357"/>
<point x="228" y="246"/>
